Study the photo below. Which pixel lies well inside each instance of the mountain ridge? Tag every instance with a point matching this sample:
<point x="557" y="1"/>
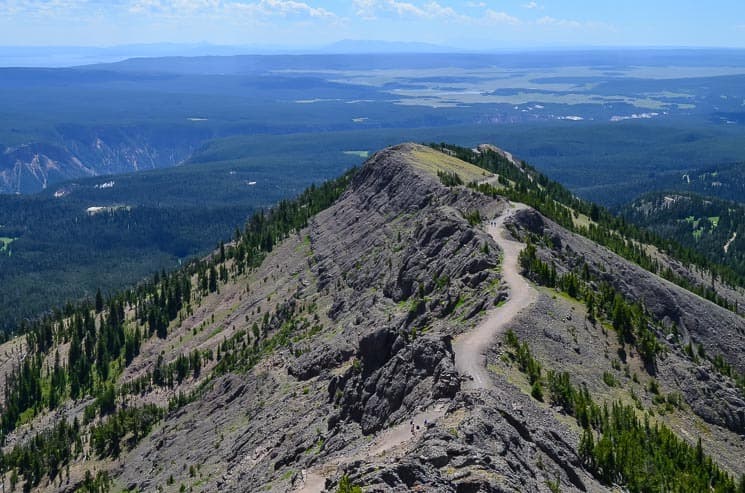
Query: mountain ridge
<point x="329" y="325"/>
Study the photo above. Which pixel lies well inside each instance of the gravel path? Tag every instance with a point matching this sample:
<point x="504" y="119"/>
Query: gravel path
<point x="470" y="348"/>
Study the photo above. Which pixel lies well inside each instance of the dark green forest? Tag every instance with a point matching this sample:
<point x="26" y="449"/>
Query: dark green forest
<point x="704" y="224"/>
<point x="52" y="250"/>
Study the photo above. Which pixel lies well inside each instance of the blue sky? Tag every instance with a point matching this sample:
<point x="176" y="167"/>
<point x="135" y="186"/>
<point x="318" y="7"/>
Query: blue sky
<point x="477" y="24"/>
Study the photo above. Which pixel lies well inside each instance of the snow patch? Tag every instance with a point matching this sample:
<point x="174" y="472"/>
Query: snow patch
<point x="97" y="209"/>
<point x="634" y="116"/>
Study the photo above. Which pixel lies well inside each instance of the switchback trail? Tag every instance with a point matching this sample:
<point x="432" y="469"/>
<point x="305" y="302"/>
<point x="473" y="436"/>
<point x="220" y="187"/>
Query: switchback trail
<point x="470" y="357"/>
<point x="470" y="348"/>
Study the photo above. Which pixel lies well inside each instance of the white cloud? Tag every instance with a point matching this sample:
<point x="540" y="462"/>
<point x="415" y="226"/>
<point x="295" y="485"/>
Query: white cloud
<point x="365" y="8"/>
<point x="552" y="21"/>
<point x="289" y="7"/>
<point x="256" y="9"/>
<point x="533" y="6"/>
<point x="147" y="7"/>
<point x="406" y="8"/>
<point x="547" y="21"/>
<point x="41" y="7"/>
<point x="500" y="17"/>
<point x="434" y="9"/>
<point x="371" y="9"/>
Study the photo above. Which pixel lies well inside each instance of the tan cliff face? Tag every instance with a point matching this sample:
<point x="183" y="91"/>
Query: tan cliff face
<point x="374" y="301"/>
<point x="35" y="166"/>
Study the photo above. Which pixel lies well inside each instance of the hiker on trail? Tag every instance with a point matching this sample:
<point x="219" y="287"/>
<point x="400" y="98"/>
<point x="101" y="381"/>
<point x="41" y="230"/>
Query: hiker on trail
<point x="412" y="426"/>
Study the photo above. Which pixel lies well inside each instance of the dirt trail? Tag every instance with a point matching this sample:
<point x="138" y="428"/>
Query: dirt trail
<point x="729" y="242"/>
<point x="389" y="439"/>
<point x="470" y="348"/>
<point x="470" y="359"/>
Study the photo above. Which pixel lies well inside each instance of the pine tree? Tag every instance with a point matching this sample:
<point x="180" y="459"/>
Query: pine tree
<point x="213" y="279"/>
<point x="99" y="301"/>
<point x="346" y="486"/>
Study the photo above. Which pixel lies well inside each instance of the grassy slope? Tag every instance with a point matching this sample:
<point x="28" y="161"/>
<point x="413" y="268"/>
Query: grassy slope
<point x="433" y="162"/>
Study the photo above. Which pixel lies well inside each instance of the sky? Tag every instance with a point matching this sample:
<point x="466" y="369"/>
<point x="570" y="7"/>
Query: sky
<point x="298" y="24"/>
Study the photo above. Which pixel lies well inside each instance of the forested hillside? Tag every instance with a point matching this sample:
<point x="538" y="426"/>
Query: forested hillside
<point x="713" y="227"/>
<point x="100" y="339"/>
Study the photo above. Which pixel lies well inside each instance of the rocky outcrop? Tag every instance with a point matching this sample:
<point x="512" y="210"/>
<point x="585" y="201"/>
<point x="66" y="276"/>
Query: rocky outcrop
<point x="393" y="378"/>
<point x="326" y="356"/>
<point x="712" y="396"/>
<point x="402" y="233"/>
<point x="503" y="444"/>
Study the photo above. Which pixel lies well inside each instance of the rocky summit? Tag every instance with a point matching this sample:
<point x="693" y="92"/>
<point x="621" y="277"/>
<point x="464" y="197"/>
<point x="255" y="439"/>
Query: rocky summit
<point x="427" y="331"/>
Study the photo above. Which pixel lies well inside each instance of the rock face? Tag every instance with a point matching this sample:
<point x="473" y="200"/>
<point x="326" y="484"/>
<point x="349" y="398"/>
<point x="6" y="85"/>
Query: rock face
<point x="403" y="233"/>
<point x="503" y="444"/>
<point x="32" y="167"/>
<point x="710" y="395"/>
<point x="395" y="378"/>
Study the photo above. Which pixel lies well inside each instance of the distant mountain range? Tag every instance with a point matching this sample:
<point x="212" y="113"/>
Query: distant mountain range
<point x="375" y="46"/>
<point x="69" y="56"/>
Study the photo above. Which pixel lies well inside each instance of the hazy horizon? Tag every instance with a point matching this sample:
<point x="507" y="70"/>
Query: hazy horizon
<point x="60" y="56"/>
<point x="292" y="24"/>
